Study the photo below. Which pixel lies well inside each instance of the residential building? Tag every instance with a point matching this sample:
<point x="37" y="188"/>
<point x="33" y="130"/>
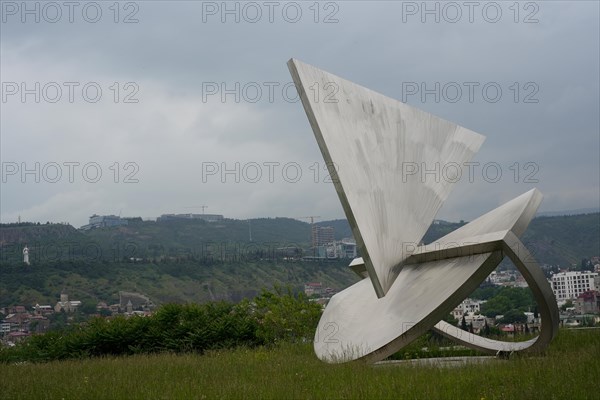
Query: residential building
<point x="322" y="235"/>
<point x="345" y="248"/>
<point x="509" y="329"/>
<point x="569" y="285"/>
<point x="477" y="321"/>
<point x="43" y="309"/>
<point x="16" y="322"/>
<point x="468" y="306"/>
<point x="501" y="277"/>
<point x="4" y="328"/>
<point x="588" y="303"/>
<point x="17" y="336"/>
<point x="313" y="288"/>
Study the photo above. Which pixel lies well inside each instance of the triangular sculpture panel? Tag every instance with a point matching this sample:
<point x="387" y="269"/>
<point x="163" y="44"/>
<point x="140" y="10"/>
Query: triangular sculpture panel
<point x="379" y="148"/>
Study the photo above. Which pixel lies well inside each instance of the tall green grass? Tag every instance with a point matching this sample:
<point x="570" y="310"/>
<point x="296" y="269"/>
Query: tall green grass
<point x="569" y="370"/>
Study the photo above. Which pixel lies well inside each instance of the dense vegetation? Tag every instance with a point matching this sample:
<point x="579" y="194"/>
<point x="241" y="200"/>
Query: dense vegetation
<point x="562" y="241"/>
<point x="502" y="300"/>
<point x="167" y="281"/>
<point x="268" y="319"/>
<point x="190" y="239"/>
<point x="197" y="261"/>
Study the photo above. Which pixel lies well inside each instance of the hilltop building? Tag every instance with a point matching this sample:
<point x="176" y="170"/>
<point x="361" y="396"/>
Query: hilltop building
<point x="104" y="221"/>
<point x="201" y="217"/>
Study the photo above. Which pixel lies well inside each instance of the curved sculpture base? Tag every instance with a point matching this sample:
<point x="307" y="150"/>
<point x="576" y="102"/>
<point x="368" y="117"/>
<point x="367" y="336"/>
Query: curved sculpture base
<point x="358" y="325"/>
<point x="481" y="343"/>
<point x="543" y="295"/>
<point x="432" y="281"/>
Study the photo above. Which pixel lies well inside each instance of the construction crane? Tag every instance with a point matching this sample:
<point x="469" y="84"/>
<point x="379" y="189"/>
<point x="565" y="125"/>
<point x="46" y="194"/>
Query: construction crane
<point x="312" y="218"/>
<point x="202" y="207"/>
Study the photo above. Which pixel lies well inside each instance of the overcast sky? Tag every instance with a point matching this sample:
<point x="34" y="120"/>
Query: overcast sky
<point x="136" y="109"/>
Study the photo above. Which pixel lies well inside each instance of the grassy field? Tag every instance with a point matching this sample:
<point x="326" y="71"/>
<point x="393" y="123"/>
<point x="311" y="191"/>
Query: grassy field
<point x="569" y="370"/>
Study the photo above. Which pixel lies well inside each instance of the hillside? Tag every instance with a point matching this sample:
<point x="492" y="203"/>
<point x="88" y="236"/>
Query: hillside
<point x="561" y="241"/>
<point x="565" y="240"/>
<point x="43" y="234"/>
<point x="199" y="261"/>
<point x="180" y="281"/>
<point x="188" y="233"/>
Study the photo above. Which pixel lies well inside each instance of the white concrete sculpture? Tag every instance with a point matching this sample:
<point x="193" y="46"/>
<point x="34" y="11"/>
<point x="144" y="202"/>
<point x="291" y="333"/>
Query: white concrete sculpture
<point x="373" y="145"/>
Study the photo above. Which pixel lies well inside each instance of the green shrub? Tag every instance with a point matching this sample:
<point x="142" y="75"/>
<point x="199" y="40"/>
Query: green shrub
<point x="270" y="318"/>
<point x="286" y="317"/>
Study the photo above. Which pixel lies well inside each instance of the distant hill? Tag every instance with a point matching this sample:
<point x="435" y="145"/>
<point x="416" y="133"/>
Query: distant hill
<point x="170" y="281"/>
<point x="149" y="239"/>
<point x="24" y="233"/>
<point x="568" y="212"/>
<point x="561" y="240"/>
<point x="564" y="241"/>
<point x="341" y="228"/>
<point x="199" y="261"/>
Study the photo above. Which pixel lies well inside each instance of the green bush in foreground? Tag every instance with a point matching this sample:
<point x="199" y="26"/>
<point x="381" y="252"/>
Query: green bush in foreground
<point x="178" y="328"/>
<point x="270" y="318"/>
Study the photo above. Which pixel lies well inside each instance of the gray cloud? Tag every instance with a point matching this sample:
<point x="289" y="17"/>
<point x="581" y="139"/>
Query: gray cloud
<point x="176" y="129"/>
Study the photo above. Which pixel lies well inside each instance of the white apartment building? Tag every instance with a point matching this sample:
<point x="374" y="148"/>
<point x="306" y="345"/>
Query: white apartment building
<point x="468" y="306"/>
<point x="569" y="285"/>
<point x="346" y="248"/>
